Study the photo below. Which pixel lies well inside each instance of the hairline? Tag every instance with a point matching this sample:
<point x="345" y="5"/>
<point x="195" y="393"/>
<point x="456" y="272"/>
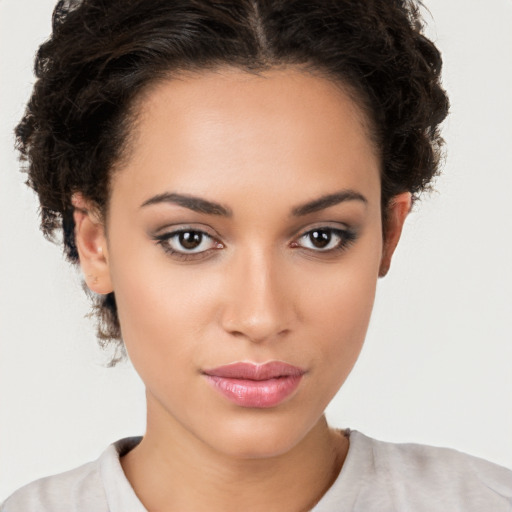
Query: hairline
<point x="133" y="112"/>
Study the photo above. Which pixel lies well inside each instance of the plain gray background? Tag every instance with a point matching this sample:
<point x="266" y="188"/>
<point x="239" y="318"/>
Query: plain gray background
<point x="436" y="367"/>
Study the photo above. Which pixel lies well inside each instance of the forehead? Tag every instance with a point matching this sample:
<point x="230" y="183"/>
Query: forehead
<point x="211" y="131"/>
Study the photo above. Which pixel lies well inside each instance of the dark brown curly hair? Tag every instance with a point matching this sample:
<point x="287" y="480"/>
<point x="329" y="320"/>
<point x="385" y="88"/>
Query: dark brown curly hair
<point x="102" y="53"/>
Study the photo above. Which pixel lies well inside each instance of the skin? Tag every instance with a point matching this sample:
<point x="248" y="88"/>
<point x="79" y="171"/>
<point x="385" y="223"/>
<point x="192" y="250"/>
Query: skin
<point x="260" y="291"/>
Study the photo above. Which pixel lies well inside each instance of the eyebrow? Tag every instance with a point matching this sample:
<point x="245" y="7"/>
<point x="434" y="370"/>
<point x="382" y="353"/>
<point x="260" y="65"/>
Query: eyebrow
<point x="328" y="201"/>
<point x="193" y="203"/>
<point x="197" y="204"/>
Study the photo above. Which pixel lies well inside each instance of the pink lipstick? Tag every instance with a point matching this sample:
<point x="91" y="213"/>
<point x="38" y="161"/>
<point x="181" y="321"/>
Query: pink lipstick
<point x="255" y="385"/>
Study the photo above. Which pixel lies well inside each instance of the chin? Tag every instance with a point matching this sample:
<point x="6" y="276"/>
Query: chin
<point x="260" y="437"/>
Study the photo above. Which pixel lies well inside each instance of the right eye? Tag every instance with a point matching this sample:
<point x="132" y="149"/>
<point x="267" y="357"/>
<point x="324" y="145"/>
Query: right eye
<point x="187" y="242"/>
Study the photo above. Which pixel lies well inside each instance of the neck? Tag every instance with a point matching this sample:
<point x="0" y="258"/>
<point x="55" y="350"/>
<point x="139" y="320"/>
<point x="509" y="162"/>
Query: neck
<point x="179" y="472"/>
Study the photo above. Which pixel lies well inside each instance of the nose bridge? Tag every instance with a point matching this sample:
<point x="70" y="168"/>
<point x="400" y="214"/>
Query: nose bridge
<point x="258" y="305"/>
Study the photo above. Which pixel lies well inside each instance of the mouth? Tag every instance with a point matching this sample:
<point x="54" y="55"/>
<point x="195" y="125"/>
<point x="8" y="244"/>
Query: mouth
<point x="255" y="385"/>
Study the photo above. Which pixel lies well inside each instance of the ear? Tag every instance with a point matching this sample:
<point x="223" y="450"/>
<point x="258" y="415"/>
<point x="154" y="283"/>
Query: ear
<point x="397" y="211"/>
<point x="91" y="244"/>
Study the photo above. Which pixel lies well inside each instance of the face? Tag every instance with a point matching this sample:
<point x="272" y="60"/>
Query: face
<point x="244" y="245"/>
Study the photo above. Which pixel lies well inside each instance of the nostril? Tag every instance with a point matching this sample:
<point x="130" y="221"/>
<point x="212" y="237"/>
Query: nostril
<point x="259" y="334"/>
<point x="257" y="304"/>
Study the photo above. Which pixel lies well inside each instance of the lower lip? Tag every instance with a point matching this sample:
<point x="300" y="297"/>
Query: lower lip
<point x="256" y="393"/>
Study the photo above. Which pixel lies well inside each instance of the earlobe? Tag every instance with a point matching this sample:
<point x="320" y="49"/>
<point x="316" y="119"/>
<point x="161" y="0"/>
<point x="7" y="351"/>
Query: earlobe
<point x="91" y="244"/>
<point x="397" y="212"/>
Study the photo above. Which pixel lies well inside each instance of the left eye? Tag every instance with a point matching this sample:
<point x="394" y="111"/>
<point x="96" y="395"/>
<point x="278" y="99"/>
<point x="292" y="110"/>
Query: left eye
<point x="187" y="242"/>
<point x="324" y="239"/>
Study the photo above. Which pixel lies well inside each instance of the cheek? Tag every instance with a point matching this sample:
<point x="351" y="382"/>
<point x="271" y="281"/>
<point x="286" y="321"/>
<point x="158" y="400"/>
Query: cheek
<point x="340" y="306"/>
<point x="162" y="307"/>
<point x="342" y="310"/>
<point x="167" y="311"/>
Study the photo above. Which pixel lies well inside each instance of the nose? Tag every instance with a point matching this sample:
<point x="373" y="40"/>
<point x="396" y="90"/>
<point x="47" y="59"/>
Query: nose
<point x="259" y="306"/>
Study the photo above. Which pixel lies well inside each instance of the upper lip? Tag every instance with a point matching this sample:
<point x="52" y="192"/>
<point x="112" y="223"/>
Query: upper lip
<point x="252" y="371"/>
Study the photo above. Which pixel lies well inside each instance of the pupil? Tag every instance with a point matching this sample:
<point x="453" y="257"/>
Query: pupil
<point x="190" y="239"/>
<point x="320" y="238"/>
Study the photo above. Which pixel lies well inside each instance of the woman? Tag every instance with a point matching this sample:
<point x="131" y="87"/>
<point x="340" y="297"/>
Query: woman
<point x="233" y="177"/>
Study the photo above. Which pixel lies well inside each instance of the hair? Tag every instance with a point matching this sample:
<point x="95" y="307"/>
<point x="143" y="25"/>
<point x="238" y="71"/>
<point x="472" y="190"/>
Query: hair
<point x="103" y="53"/>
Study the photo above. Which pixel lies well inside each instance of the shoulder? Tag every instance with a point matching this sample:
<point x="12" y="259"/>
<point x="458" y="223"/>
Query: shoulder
<point x="92" y="486"/>
<point x="57" y="493"/>
<point x="416" y="474"/>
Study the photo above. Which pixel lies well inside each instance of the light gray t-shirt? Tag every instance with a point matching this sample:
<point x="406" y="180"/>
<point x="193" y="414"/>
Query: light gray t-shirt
<point x="376" y="477"/>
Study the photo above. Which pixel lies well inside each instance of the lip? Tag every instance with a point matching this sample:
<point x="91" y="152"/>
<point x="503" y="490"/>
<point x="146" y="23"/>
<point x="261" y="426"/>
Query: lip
<point x="255" y="385"/>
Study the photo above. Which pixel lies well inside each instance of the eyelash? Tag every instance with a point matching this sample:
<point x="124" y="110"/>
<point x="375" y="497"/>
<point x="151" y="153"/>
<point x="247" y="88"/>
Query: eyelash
<point x="165" y="239"/>
<point x="346" y="238"/>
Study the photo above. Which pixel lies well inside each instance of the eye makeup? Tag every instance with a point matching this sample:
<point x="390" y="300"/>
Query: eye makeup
<point x="187" y="244"/>
<point x="326" y="239"/>
<point x="194" y="244"/>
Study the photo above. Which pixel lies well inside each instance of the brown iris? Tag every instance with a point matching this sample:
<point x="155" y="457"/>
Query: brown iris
<point x="320" y="238"/>
<point x="190" y="239"/>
